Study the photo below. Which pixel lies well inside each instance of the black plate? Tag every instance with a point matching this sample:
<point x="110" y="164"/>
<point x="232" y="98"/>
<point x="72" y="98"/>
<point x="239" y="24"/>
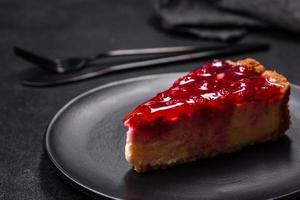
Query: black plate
<point x="86" y="140"/>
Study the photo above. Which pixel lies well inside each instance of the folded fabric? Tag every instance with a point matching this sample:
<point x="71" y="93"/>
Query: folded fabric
<point x="227" y="19"/>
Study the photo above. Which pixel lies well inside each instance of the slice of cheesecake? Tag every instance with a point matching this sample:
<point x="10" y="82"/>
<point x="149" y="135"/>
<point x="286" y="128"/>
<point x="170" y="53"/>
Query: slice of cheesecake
<point x="217" y="108"/>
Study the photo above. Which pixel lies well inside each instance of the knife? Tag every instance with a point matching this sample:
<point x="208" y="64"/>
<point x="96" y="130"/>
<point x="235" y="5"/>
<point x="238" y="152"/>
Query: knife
<point x="53" y="80"/>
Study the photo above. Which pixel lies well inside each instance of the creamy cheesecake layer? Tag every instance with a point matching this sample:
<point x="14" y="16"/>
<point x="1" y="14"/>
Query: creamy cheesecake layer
<point x="250" y="124"/>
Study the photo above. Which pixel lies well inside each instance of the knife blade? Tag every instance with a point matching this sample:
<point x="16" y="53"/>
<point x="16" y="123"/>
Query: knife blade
<point x="54" y="80"/>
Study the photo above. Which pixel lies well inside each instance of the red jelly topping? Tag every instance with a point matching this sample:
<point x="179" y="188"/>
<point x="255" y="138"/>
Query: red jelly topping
<point x="219" y="85"/>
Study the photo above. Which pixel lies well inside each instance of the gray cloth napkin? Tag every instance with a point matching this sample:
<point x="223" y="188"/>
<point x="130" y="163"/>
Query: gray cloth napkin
<point x="227" y="19"/>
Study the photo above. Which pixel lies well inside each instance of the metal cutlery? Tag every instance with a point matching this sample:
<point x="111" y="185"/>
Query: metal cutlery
<point x="66" y="65"/>
<point x="53" y="80"/>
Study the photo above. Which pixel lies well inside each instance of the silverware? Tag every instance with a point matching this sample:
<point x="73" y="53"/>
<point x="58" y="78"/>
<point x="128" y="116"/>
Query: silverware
<point x="65" y="65"/>
<point x="40" y="81"/>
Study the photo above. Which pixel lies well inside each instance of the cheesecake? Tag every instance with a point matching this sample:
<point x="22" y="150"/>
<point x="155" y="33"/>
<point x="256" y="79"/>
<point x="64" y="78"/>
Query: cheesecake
<point x="218" y="108"/>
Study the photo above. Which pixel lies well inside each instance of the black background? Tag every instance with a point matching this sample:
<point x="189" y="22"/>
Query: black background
<point x="78" y="27"/>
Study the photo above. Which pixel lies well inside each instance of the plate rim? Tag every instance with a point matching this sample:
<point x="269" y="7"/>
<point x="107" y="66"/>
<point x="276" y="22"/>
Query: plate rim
<point x="76" y="184"/>
<point x="47" y="147"/>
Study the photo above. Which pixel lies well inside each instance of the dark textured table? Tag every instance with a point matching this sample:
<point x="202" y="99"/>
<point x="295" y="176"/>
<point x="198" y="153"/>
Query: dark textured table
<point x="64" y="28"/>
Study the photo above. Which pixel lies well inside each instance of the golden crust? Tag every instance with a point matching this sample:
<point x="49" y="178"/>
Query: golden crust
<point x="145" y="168"/>
<point x="277" y="78"/>
<point x="252" y="63"/>
<point x="260" y="69"/>
<point x="273" y="136"/>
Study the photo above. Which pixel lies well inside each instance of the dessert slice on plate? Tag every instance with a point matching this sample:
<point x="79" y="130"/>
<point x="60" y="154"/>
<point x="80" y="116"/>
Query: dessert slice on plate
<point x="217" y="108"/>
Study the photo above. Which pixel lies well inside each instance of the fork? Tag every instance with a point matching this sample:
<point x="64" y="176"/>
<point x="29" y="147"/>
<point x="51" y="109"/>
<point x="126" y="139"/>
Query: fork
<point x="72" y="64"/>
<point x="53" y="80"/>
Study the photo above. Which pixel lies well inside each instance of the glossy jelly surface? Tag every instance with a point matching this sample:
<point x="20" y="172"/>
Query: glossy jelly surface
<point x="219" y="84"/>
